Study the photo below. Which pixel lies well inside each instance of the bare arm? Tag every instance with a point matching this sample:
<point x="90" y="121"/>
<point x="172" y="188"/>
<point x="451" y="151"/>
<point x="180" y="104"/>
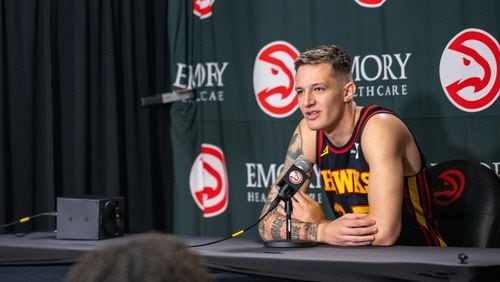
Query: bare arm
<point x="387" y="145"/>
<point x="348" y="230"/>
<point x="273" y="226"/>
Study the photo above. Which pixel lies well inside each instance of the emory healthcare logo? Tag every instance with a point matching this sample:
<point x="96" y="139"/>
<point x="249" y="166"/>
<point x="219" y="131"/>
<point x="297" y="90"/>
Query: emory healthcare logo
<point x="370" y="3"/>
<point x="470" y="70"/>
<point x="455" y="181"/>
<point x="273" y="79"/>
<point x="203" y="8"/>
<point x="208" y="181"/>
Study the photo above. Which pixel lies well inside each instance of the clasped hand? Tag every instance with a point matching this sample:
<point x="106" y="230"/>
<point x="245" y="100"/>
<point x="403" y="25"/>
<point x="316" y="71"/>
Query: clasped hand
<point x="352" y="229"/>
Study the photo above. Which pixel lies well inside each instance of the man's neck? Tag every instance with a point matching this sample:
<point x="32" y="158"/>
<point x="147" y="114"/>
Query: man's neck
<point x="341" y="134"/>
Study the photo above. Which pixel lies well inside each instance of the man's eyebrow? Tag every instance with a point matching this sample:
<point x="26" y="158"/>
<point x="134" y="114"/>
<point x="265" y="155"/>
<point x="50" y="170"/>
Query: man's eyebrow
<point x="318" y="84"/>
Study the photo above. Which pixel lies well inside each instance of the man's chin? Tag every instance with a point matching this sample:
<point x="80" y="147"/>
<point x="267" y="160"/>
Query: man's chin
<point x="313" y="125"/>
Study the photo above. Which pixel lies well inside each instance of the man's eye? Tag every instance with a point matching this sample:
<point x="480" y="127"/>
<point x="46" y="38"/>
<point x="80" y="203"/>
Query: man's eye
<point x="299" y="92"/>
<point x="319" y="89"/>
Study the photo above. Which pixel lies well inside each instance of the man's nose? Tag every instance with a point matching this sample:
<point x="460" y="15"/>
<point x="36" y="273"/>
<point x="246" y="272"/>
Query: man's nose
<point x="307" y="98"/>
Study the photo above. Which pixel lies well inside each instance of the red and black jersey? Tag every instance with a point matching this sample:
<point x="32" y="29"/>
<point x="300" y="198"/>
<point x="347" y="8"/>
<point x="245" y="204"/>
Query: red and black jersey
<point x="345" y="174"/>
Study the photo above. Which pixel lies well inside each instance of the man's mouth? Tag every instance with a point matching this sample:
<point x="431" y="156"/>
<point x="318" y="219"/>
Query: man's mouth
<point x="311" y="115"/>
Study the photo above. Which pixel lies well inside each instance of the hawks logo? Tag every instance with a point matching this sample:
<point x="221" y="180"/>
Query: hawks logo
<point x="295" y="177"/>
<point x="370" y="3"/>
<point x="469" y="70"/>
<point x="203" y="8"/>
<point x="208" y="181"/>
<point x="273" y="79"/>
<point x="453" y="187"/>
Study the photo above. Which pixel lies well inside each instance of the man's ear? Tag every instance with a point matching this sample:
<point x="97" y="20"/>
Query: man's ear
<point x="349" y="91"/>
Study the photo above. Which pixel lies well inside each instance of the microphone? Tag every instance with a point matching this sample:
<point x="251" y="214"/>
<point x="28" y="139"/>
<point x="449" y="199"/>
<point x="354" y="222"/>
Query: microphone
<point x="168" y="97"/>
<point x="291" y="182"/>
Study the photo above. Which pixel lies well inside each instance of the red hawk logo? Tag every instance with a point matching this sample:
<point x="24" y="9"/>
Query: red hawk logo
<point x="203" y="8"/>
<point x="370" y="3"/>
<point x="295" y="177"/>
<point x="273" y="79"/>
<point x="208" y="181"/>
<point x="453" y="183"/>
<point x="470" y="70"/>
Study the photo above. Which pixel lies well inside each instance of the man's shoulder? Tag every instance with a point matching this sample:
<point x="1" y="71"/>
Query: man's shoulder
<point x="386" y="128"/>
<point x="384" y="120"/>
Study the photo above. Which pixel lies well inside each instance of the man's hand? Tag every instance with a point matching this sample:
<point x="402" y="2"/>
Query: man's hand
<point x="351" y="229"/>
<point x="304" y="208"/>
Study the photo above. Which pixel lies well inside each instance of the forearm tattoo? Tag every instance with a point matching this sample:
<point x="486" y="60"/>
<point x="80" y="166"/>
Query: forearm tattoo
<point x="276" y="221"/>
<point x="265" y="208"/>
<point x="309" y="231"/>
<point x="312" y="231"/>
<point x="276" y="227"/>
<point x="296" y="232"/>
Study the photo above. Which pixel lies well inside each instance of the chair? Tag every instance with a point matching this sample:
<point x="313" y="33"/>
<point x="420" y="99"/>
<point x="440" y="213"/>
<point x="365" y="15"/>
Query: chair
<point x="467" y="203"/>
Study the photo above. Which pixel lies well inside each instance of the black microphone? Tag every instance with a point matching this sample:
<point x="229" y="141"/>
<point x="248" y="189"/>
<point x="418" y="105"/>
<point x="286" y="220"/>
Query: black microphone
<point x="293" y="179"/>
<point x="291" y="182"/>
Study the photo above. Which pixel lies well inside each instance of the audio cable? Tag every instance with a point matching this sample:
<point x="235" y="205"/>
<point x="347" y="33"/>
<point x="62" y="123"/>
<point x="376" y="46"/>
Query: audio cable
<point x="234" y="235"/>
<point x="240" y="232"/>
<point x="28" y="218"/>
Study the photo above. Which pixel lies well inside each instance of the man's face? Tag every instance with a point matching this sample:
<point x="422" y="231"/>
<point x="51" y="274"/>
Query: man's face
<point x="321" y="98"/>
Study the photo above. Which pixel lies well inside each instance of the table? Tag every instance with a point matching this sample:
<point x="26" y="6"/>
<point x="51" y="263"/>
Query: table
<point x="249" y="258"/>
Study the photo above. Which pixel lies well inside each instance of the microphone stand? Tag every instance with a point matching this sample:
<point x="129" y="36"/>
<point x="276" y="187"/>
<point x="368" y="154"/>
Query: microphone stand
<point x="288" y="211"/>
<point x="289" y="243"/>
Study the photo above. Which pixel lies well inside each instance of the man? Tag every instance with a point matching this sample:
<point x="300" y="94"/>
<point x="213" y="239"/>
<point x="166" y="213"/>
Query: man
<point x="372" y="170"/>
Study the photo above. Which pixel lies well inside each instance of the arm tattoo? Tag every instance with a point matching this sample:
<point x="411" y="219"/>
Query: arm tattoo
<point x="296" y="232"/>
<point x="276" y="228"/>
<point x="269" y="199"/>
<point x="277" y="222"/>
<point x="312" y="232"/>
<point x="267" y="205"/>
<point x="295" y="147"/>
<point x="309" y="231"/>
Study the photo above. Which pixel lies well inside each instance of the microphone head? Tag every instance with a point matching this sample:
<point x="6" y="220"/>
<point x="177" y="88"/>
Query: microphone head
<point x="303" y="164"/>
<point x="293" y="179"/>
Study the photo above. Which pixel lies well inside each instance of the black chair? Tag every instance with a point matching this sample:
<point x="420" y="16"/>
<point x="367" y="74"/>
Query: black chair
<point x="467" y="203"/>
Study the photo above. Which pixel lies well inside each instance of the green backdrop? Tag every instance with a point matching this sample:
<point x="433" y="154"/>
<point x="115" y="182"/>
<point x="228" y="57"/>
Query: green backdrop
<point x="436" y="63"/>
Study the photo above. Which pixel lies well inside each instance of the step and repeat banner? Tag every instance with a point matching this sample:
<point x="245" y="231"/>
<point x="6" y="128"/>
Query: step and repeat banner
<point x="436" y="63"/>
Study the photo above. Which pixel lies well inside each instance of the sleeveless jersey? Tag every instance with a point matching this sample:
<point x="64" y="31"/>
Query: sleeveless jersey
<point x="345" y="174"/>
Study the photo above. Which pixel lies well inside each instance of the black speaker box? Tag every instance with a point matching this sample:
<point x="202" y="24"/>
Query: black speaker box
<point x="90" y="217"/>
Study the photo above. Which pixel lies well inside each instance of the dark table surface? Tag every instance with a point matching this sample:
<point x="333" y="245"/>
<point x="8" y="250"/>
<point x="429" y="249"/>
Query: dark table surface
<point x="318" y="263"/>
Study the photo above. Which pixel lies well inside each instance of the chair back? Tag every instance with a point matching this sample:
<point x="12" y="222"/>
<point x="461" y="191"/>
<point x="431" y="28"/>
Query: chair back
<point x="466" y="203"/>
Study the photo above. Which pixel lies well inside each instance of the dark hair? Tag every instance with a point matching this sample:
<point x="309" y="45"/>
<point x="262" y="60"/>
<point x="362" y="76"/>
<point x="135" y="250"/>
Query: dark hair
<point x="334" y="55"/>
<point x="151" y="257"/>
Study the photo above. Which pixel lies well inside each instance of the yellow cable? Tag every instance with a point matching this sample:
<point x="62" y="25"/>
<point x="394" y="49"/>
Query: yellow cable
<point x="237" y="233"/>
<point x="24" y="219"/>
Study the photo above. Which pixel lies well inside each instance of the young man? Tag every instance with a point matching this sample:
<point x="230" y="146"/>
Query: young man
<point x="372" y="170"/>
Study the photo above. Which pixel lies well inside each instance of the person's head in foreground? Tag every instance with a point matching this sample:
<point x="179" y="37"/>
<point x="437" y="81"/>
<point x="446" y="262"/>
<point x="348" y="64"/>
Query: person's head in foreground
<point x="147" y="257"/>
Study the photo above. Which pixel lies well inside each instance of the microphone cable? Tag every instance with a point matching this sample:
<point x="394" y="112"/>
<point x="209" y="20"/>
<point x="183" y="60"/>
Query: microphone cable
<point x="28" y="218"/>
<point x="238" y="233"/>
<point x="301" y="165"/>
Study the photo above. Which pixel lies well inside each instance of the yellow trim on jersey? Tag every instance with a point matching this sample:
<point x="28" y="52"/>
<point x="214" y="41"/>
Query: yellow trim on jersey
<point x="360" y="209"/>
<point x="441" y="242"/>
<point x="415" y="200"/>
<point x="325" y="151"/>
